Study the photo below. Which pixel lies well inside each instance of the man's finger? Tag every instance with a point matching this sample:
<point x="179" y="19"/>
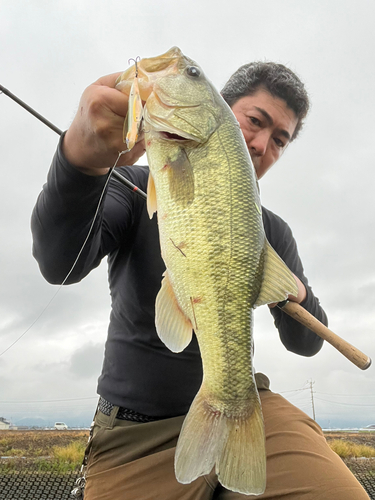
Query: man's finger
<point x="108" y="80"/>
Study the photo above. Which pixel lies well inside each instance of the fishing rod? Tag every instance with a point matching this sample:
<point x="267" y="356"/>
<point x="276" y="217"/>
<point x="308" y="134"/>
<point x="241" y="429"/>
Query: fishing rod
<point x="297" y="312"/>
<point x="293" y="309"/>
<point x="53" y="127"/>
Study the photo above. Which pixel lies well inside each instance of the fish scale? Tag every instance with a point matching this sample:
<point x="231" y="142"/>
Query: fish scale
<point x="219" y="265"/>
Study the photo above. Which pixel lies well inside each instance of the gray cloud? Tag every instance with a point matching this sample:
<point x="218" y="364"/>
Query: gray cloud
<point x="87" y="361"/>
<point x="323" y="186"/>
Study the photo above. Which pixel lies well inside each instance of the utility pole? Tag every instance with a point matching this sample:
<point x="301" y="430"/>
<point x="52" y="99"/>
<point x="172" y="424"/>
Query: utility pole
<point x="312" y="382"/>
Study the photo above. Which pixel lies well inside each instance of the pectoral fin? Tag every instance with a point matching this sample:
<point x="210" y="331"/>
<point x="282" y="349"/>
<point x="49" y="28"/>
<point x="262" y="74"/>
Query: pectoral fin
<point x="151" y="196"/>
<point x="181" y="179"/>
<point x="278" y="280"/>
<point x="172" y="326"/>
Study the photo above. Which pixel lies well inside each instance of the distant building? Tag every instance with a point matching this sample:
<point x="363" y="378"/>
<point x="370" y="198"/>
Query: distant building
<point x="371" y="426"/>
<point x="4" y="424"/>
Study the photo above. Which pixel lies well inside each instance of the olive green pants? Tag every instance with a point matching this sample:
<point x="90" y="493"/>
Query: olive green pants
<point x="134" y="461"/>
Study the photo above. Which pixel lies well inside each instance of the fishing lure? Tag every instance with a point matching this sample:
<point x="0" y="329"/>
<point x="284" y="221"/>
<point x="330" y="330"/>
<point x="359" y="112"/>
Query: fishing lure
<point x="134" y="117"/>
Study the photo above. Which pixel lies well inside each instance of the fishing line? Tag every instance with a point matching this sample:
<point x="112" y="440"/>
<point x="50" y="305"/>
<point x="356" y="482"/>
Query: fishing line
<point x="112" y="173"/>
<point x="53" y="127"/>
<point x="78" y="256"/>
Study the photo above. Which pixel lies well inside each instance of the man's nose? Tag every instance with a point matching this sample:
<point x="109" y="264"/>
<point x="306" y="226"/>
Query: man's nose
<point x="258" y="144"/>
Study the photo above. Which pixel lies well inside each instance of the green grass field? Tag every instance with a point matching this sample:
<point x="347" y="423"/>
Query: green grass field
<point x="62" y="451"/>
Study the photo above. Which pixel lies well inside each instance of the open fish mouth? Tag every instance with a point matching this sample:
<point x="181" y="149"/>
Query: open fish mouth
<point x="165" y="130"/>
<point x="169" y="136"/>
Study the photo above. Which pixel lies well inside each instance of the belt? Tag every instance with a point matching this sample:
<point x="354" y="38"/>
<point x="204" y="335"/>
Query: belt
<point x="124" y="413"/>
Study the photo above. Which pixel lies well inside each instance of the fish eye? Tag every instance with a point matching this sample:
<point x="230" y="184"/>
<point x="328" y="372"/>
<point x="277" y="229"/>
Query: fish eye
<point x="193" y="71"/>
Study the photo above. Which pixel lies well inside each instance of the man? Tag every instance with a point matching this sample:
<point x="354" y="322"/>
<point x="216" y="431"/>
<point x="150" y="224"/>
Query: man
<point x="146" y="389"/>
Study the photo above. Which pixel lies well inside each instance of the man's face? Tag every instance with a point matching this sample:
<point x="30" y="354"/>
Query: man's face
<point x="267" y="125"/>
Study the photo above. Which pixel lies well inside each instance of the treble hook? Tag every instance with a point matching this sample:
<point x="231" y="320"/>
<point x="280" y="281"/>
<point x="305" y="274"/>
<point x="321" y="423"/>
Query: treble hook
<point x="136" y="65"/>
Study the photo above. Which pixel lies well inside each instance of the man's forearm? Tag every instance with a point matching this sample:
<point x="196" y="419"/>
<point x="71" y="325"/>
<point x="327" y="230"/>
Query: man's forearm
<point x="61" y="219"/>
<point x="296" y="337"/>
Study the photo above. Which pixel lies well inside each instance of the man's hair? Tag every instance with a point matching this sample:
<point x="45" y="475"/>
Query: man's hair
<point x="276" y="79"/>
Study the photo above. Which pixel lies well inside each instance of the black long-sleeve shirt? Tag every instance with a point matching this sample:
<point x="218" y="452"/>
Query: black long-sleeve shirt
<point x="139" y="371"/>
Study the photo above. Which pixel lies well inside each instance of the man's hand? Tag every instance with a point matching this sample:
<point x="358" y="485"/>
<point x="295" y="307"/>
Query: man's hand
<point x="300" y="296"/>
<point x="94" y="138"/>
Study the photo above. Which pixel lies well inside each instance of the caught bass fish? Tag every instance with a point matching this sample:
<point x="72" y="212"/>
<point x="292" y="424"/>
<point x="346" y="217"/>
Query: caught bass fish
<point x="219" y="265"/>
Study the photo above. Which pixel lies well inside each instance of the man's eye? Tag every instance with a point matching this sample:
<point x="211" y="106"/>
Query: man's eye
<point x="255" y="121"/>
<point x="279" y="143"/>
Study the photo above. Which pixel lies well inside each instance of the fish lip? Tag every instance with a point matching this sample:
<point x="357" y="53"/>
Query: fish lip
<point x="170" y="133"/>
<point x="172" y="136"/>
<point x="167" y="132"/>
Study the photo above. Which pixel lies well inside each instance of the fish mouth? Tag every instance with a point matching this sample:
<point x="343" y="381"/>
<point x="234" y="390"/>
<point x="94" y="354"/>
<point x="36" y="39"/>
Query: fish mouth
<point x="166" y="130"/>
<point x="169" y="136"/>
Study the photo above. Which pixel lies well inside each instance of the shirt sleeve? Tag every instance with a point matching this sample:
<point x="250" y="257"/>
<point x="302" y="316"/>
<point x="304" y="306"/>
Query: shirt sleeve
<point x="295" y="337"/>
<point x="77" y="214"/>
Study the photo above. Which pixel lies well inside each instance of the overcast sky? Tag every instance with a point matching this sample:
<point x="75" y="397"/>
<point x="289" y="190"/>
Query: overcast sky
<point x="323" y="186"/>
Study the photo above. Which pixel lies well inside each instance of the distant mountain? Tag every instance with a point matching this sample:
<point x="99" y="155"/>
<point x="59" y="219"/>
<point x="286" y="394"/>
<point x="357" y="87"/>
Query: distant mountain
<point x="32" y="422"/>
<point x="49" y="421"/>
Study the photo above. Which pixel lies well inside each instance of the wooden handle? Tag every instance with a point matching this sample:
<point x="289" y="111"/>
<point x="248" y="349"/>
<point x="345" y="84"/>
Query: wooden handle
<point x="352" y="353"/>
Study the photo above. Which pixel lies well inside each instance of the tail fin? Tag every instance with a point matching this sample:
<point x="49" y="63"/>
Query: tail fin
<point x="235" y="445"/>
